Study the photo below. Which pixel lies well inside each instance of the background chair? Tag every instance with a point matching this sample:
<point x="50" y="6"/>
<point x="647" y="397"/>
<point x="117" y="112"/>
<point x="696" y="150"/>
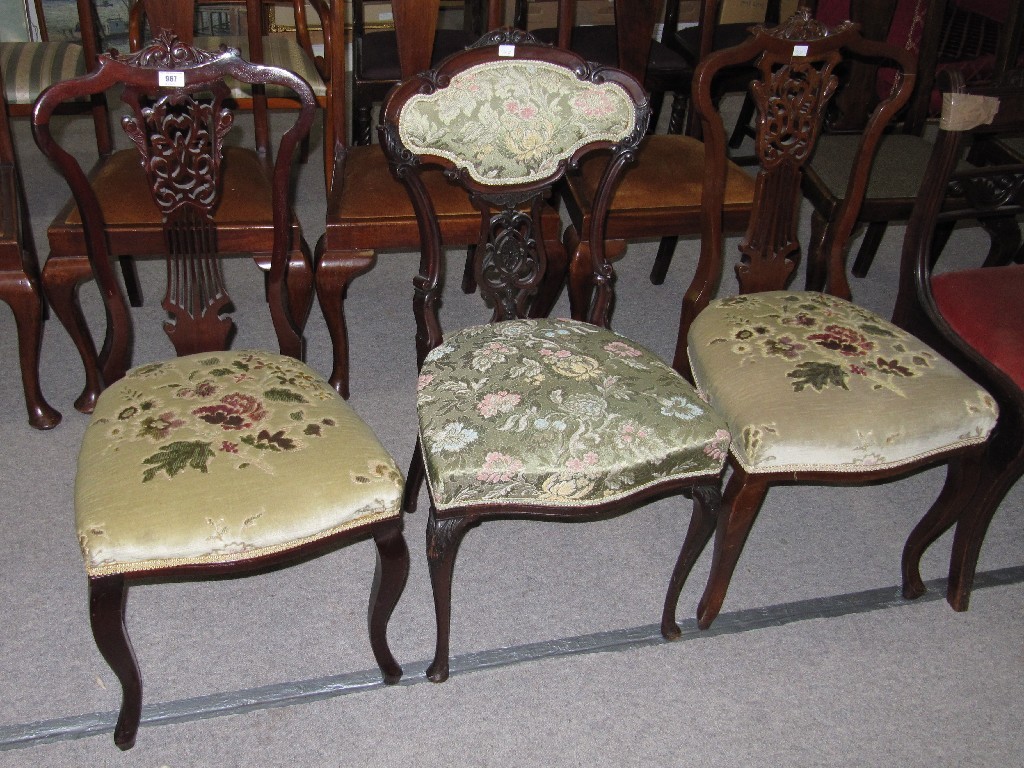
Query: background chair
<point x="211" y="463"/>
<point x="520" y="418"/>
<point x="695" y="43"/>
<point x="369" y="212"/>
<point x="943" y="37"/>
<point x="32" y="66"/>
<point x="665" y="70"/>
<point x="292" y="52"/>
<point x="814" y="389"/>
<point x="375" y="59"/>
<point x="971" y="314"/>
<point x="243" y="222"/>
<point x="19" y="276"/>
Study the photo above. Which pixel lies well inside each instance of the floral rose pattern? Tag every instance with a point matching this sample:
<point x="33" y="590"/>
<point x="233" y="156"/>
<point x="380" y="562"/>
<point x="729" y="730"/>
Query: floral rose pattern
<point x="797" y="361"/>
<point x="563" y="412"/>
<point x="512" y="122"/>
<point x="221" y="415"/>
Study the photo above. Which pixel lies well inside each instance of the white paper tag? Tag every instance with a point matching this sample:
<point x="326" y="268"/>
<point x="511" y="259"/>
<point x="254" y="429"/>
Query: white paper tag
<point x="507" y="50"/>
<point x="171" y="79"/>
<point x="799" y="50"/>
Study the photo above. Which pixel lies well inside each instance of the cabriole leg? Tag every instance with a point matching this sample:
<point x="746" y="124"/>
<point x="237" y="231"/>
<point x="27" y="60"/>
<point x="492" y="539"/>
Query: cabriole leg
<point x="388" y="582"/>
<point x="106" y="612"/>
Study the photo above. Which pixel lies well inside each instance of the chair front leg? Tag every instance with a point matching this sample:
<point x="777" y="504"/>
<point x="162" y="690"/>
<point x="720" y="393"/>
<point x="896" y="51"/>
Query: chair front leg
<point x="106" y="612"/>
<point x="1003" y="469"/>
<point x="743" y="498"/>
<point x="389" y="579"/>
<point x="962" y="477"/>
<point x="443" y="539"/>
<point x="335" y="270"/>
<point x="706" y="501"/>
<point x="61" y="280"/>
<point x="27" y="307"/>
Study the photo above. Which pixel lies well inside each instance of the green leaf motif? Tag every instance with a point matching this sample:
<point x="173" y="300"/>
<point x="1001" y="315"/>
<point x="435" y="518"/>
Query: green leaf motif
<point x="870" y="329"/>
<point x="282" y="395"/>
<point x="817" y="375"/>
<point x="176" y="457"/>
<point x="222" y="372"/>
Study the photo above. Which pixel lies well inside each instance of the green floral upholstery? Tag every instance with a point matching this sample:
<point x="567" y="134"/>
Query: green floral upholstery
<point x="278" y="51"/>
<point x="513" y="122"/>
<point x="557" y="412"/>
<point x="29" y="68"/>
<point x="809" y="382"/>
<point x="223" y="457"/>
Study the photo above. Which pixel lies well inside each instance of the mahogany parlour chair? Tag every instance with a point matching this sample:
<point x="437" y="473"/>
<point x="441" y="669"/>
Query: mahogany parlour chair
<point x="932" y="32"/>
<point x="665" y="70"/>
<point x="646" y="436"/>
<point x="814" y="388"/>
<point x="19" y="276"/>
<point x="215" y="462"/>
<point x="134" y="225"/>
<point x="375" y="59"/>
<point x="257" y="44"/>
<point x="368" y="210"/>
<point x="32" y="66"/>
<point x="971" y="314"/>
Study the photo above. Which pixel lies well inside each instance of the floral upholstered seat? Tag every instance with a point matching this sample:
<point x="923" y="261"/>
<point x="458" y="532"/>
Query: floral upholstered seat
<point x="207" y="458"/>
<point x="811" y="382"/>
<point x="526" y="416"/>
<point x="557" y="412"/>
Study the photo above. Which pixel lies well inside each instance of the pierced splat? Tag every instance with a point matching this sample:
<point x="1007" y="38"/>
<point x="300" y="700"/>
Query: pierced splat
<point x="792" y="94"/>
<point x="180" y="138"/>
<point x="512" y="262"/>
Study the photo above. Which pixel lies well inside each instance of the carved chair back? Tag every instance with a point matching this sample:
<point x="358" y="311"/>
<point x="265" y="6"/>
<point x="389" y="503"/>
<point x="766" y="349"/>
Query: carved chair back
<point x="175" y="95"/>
<point x="506" y="119"/>
<point x="796" y="62"/>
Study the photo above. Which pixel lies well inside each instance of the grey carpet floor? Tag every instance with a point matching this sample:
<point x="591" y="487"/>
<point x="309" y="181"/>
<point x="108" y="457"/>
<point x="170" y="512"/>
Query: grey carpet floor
<point x="786" y="681"/>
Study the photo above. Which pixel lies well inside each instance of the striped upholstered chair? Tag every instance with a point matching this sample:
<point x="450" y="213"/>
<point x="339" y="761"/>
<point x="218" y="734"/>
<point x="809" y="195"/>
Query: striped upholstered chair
<point x="31" y="66"/>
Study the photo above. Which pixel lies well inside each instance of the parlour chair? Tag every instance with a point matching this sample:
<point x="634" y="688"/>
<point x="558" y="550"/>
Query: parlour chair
<point x="665" y="70"/>
<point x="368" y="210"/>
<point x="971" y="314"/>
<point x="133" y="225"/>
<point x="32" y="66"/>
<point x="19" y="276"/>
<point x="814" y="388"/>
<point x="292" y="52"/>
<point x="215" y="462"/>
<point x="531" y="418"/>
<point x="931" y="30"/>
<point x="375" y="59"/>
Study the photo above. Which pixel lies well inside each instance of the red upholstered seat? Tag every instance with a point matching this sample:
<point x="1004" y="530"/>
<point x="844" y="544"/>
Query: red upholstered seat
<point x="984" y="307"/>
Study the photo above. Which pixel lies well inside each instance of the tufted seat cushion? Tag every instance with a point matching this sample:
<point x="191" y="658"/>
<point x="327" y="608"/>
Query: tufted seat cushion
<point x="278" y="51"/>
<point x="206" y="459"/>
<point x="810" y="382"/>
<point x="557" y="412"/>
<point x="29" y="68"/>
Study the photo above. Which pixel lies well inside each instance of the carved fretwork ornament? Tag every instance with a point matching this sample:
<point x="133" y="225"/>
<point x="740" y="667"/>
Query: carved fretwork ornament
<point x="511" y="263"/>
<point x="792" y="94"/>
<point x="989" y="191"/>
<point x="179" y="135"/>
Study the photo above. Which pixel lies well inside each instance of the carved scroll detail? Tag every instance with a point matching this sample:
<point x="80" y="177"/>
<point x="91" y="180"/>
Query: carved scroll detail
<point x="166" y="51"/>
<point x="988" y="192"/>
